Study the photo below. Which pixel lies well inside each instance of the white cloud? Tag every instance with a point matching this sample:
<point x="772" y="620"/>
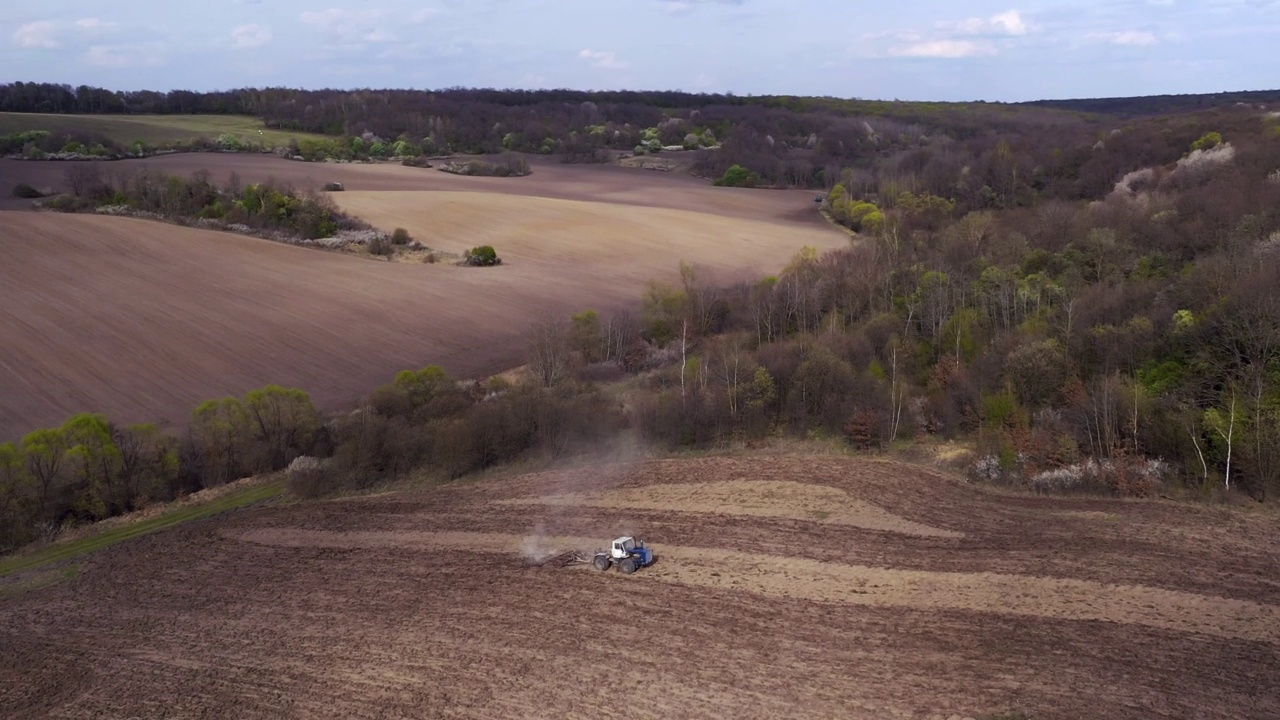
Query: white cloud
<point x="601" y="59"/>
<point x="972" y="37"/>
<point x="424" y="15"/>
<point x="1131" y="38"/>
<point x="41" y="34"/>
<point x="324" y="19"/>
<point x="89" y="23"/>
<point x="349" y="27"/>
<point x="943" y="49"/>
<point x="251" y="36"/>
<point x="127" y="55"/>
<point x="681" y="7"/>
<point x="1010" y="22"/>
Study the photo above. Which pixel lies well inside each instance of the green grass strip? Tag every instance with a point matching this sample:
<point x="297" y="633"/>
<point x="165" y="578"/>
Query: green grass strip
<point x="65" y="551"/>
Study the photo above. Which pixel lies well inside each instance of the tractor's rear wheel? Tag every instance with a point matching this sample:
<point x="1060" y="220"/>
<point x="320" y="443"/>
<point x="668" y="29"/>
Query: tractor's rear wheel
<point x="627" y="566"/>
<point x="601" y="562"/>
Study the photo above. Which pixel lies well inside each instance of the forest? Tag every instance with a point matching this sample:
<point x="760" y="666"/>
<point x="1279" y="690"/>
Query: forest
<point x="1089" y="301"/>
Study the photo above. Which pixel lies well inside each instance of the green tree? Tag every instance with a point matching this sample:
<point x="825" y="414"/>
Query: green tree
<point x="872" y="222"/>
<point x="761" y="392"/>
<point x="220" y="431"/>
<point x="44" y="451"/>
<point x="15" y="498"/>
<point x="738" y="176"/>
<point x="960" y="335"/>
<point x="664" y="308"/>
<point x="1207" y="141"/>
<point x="423" y="394"/>
<point x="149" y="463"/>
<point x="283" y="422"/>
<point x="92" y="451"/>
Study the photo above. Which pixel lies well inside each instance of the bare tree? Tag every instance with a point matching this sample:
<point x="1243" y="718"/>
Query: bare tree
<point x="548" y="343"/>
<point x="620" y="333"/>
<point x="1227" y="434"/>
<point x="83" y="178"/>
<point x="684" y="355"/>
<point x="731" y="370"/>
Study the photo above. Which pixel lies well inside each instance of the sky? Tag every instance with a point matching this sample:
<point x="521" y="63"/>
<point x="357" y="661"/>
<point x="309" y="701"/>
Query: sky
<point x="895" y="49"/>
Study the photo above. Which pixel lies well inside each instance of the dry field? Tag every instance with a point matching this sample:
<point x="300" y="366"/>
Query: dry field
<point x="786" y="586"/>
<point x="144" y="320"/>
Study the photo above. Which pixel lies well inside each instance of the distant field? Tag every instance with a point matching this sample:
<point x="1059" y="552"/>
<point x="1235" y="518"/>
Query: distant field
<point x="154" y="129"/>
<point x="144" y="320"/>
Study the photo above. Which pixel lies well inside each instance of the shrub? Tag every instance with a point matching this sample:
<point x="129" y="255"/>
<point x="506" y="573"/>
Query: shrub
<point x="212" y="211"/>
<point x="381" y="246"/>
<point x="738" y="176"/>
<point x="482" y="256"/>
<point x="419" y="162"/>
<point x="311" y="477"/>
<point x="68" y="203"/>
<point x="23" y="190"/>
<point x="1208" y="141"/>
<point x="509" y="165"/>
<point x="400" y="237"/>
<point x="333" y="187"/>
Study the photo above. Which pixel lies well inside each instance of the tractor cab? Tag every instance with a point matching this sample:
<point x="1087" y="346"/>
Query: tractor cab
<point x="626" y="553"/>
<point x="624" y="546"/>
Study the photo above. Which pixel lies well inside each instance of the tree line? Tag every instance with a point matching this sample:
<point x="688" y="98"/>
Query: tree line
<point x="268" y="206"/>
<point x="91" y="468"/>
<point x="983" y="155"/>
<point x="578" y="126"/>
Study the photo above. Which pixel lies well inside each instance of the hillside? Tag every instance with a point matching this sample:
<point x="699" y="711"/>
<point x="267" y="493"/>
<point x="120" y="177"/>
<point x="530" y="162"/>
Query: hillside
<point x="144" y="320"/>
<point x="786" y="586"/>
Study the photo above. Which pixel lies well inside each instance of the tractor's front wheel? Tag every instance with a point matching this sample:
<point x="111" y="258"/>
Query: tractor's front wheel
<point x="601" y="562"/>
<point x="627" y="566"/>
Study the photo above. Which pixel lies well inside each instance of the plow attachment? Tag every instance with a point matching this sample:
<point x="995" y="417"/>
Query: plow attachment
<point x="565" y="559"/>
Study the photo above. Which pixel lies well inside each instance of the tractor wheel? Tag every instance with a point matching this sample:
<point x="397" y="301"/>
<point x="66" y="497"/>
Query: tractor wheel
<point x="627" y="566"/>
<point x="601" y="562"/>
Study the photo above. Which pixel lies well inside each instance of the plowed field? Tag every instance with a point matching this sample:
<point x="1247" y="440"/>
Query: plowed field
<point x="785" y="586"/>
<point x="144" y="320"/>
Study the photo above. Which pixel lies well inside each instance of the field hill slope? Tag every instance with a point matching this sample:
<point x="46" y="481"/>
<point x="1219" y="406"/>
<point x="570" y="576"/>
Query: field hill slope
<point x="785" y="586"/>
<point x="143" y="320"/>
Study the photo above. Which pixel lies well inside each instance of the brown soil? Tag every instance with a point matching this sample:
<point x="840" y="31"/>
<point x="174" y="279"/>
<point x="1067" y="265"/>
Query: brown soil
<point x="749" y="498"/>
<point x="596" y="183"/>
<point x="144" y="320"/>
<point x="442" y="603"/>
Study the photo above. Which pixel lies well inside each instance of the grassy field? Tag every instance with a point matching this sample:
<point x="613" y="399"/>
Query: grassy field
<point x="237" y="498"/>
<point x="154" y="129"/>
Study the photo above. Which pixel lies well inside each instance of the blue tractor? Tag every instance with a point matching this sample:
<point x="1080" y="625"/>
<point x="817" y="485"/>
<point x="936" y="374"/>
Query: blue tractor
<point x="628" y="554"/>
